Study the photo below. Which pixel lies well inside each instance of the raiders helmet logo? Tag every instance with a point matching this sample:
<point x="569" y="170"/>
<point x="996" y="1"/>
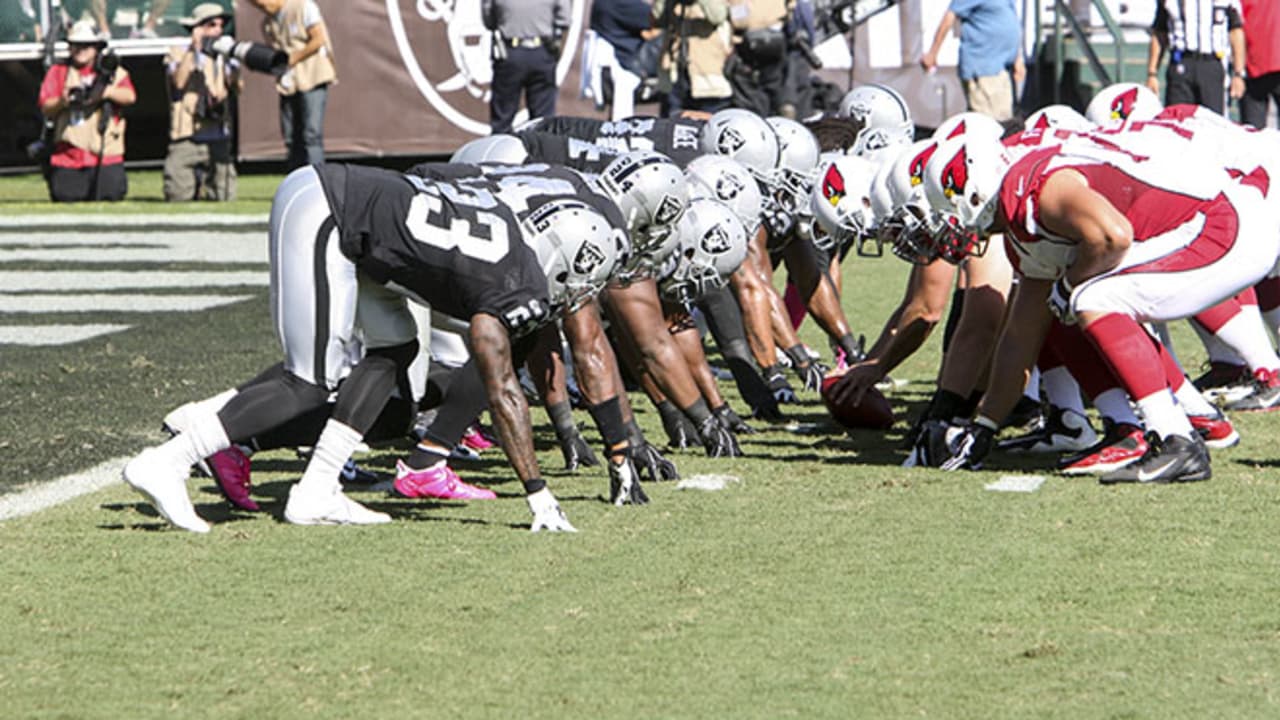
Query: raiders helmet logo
<point x="730" y="141"/>
<point x="916" y="168"/>
<point x="715" y="241"/>
<point x="1122" y="106"/>
<point x="956" y="174"/>
<point x="668" y="210"/>
<point x="833" y="185"/>
<point x="728" y="187"/>
<point x="588" y="260"/>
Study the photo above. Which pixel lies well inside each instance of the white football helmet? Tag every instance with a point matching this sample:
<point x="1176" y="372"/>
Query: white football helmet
<point x="841" y="203"/>
<point x="1058" y="117"/>
<point x="798" y="166"/>
<point x="652" y="194"/>
<point x="968" y="122"/>
<point x="719" y="178"/>
<point x="962" y="182"/>
<point x="1122" y="101"/>
<point x="912" y="222"/>
<point x="492" y="149"/>
<point x="713" y="243"/>
<point x="745" y="137"/>
<point x="883" y="115"/>
<point x="576" y="248"/>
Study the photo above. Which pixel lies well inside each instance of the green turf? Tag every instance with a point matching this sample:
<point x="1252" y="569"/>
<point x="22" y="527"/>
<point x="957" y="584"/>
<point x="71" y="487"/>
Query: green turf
<point x="828" y="583"/>
<point x="28" y="194"/>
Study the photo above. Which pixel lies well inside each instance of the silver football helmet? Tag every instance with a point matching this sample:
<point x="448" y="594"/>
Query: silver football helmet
<point x="492" y="149"/>
<point x="883" y="117"/>
<point x="745" y="137"/>
<point x="652" y="194"/>
<point x="720" y="178"/>
<point x="713" y="243"/>
<point x="795" y="176"/>
<point x="841" y="203"/>
<point x="576" y="247"/>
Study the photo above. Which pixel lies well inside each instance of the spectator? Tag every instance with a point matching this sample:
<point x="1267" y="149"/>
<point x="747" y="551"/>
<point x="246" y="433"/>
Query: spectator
<point x="297" y="28"/>
<point x="696" y="45"/>
<point x="758" y="69"/>
<point x="624" y="26"/>
<point x="83" y="97"/>
<point x="1262" y="43"/>
<point x="991" y="63"/>
<point x="199" y="161"/>
<point x="528" y="41"/>
<point x="1199" y="34"/>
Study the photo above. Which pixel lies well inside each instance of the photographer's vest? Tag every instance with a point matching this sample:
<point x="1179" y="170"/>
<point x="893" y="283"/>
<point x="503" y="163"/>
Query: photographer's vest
<point x="290" y="35"/>
<point x="709" y="45"/>
<point x="184" y="121"/>
<point x="85" y="135"/>
<point x="759" y="25"/>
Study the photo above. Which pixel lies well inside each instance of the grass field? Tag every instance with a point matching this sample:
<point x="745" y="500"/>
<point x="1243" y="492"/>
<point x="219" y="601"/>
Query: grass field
<point x="28" y="194"/>
<point x="829" y="582"/>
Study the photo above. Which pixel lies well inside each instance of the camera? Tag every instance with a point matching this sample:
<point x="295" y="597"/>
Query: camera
<point x="255" y="56"/>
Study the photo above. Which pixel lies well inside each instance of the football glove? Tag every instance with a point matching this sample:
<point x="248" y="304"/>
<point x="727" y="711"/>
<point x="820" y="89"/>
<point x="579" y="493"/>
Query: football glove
<point x="681" y="433"/>
<point x="967" y="446"/>
<point x="1060" y="301"/>
<point x="647" y="459"/>
<point x="624" y="481"/>
<point x="717" y="439"/>
<point x="547" y="514"/>
<point x="577" y="453"/>
<point x="778" y="385"/>
<point x="730" y="419"/>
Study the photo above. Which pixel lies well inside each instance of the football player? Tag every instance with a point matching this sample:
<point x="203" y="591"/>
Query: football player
<point x="349" y="247"/>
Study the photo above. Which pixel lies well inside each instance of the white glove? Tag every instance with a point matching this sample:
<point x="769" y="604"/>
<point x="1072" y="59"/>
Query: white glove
<point x="547" y="514"/>
<point x="624" y="483"/>
<point x="1060" y="301"/>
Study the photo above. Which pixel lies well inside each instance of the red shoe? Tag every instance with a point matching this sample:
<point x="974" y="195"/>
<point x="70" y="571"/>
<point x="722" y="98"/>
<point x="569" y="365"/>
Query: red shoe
<point x="230" y="468"/>
<point x="1123" y="444"/>
<point x="477" y="439"/>
<point x="1263" y="396"/>
<point x="438" y="481"/>
<point x="1215" y="430"/>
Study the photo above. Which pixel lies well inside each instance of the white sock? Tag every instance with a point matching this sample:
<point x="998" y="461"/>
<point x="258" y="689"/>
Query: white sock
<point x="1246" y="336"/>
<point x="203" y="438"/>
<point x="333" y="448"/>
<point x="1061" y="389"/>
<point x="1216" y="349"/>
<point x="1192" y="402"/>
<point x="1163" y="416"/>
<point x="1114" y="405"/>
<point x="219" y="401"/>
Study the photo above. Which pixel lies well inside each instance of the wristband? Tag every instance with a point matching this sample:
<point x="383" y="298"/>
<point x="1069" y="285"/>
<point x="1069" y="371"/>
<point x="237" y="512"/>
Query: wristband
<point x="533" y="485"/>
<point x="698" y="412"/>
<point x="799" y="358"/>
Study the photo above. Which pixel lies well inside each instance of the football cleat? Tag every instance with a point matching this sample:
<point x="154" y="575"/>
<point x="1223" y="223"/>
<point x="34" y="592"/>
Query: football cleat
<point x="353" y="474"/>
<point x="176" y="423"/>
<point x="438" y="481"/>
<point x="230" y="469"/>
<point x="1063" y="430"/>
<point x="1263" y="395"/>
<point x="1174" y="459"/>
<point x="328" y="507"/>
<point x="1216" y="430"/>
<point x="1027" y="414"/>
<point x="165" y="485"/>
<point x="1122" y="444"/>
<point x="477" y="439"/>
<point x="1224" y="382"/>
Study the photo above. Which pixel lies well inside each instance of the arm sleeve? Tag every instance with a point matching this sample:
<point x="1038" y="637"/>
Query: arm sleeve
<point x="52" y="84"/>
<point x="1234" y="20"/>
<point x="311" y="14"/>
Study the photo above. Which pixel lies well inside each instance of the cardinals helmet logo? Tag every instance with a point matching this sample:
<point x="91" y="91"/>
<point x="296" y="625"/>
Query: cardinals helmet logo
<point x="957" y="131"/>
<point x="833" y="185"/>
<point x="916" y="168"/>
<point x="1122" y="106"/>
<point x="955" y="175"/>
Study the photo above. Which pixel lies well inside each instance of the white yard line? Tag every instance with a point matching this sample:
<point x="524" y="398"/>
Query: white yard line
<point x="56" y="492"/>
<point x="109" y="222"/>
<point x="44" y="335"/>
<point x="81" y="280"/>
<point x="114" y="303"/>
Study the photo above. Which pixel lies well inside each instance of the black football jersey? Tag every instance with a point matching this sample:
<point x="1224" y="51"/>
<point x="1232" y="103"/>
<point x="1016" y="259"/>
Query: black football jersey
<point x="568" y="151"/>
<point x="457" y="248"/>
<point x="677" y="138"/>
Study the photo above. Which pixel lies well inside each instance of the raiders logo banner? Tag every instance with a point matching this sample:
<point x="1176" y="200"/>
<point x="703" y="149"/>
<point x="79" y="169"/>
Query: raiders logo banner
<point x="413" y="79"/>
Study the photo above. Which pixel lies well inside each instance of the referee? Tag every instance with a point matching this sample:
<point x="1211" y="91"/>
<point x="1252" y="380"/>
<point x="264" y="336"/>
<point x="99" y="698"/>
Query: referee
<point x="526" y="47"/>
<point x="1199" y="34"/>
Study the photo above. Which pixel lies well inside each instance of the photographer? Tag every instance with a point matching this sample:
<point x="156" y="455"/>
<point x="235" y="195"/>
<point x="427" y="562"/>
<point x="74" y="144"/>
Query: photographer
<point x="296" y="28"/>
<point x="199" y="162"/>
<point x="83" y="97"/>
<point x="696" y="44"/>
<point x="758" y="68"/>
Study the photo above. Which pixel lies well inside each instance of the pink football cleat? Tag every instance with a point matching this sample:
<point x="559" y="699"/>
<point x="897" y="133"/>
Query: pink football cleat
<point x="477" y="439"/>
<point x="438" y="481"/>
<point x="230" y="468"/>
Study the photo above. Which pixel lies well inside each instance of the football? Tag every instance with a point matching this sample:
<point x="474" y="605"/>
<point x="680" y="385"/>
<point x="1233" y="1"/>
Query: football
<point x="873" y="413"/>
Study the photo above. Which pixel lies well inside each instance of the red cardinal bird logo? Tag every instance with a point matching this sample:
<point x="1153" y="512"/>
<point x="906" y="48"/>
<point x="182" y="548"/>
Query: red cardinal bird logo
<point x="833" y="185"/>
<point x="1122" y="106"/>
<point x="955" y="175"/>
<point x="916" y="168"/>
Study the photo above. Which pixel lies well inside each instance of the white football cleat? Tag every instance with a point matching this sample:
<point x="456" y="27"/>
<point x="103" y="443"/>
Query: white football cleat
<point x="1063" y="431"/>
<point x="328" y="508"/>
<point x="165" y="485"/>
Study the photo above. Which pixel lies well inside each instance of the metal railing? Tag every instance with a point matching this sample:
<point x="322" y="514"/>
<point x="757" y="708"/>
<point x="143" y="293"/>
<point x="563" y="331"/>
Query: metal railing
<point x="1081" y="34"/>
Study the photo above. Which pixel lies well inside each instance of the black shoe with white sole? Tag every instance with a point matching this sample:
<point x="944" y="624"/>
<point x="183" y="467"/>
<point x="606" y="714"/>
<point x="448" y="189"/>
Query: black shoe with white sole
<point x="1174" y="459"/>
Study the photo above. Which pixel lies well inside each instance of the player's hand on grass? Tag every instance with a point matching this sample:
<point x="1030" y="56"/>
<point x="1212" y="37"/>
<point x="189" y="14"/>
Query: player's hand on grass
<point x="547" y="514"/>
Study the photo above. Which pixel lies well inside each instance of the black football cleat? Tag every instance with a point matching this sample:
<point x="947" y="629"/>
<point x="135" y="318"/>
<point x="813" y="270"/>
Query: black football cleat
<point x="1175" y="459"/>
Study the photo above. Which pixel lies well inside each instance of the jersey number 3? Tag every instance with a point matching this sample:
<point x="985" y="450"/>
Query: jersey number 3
<point x="482" y="237"/>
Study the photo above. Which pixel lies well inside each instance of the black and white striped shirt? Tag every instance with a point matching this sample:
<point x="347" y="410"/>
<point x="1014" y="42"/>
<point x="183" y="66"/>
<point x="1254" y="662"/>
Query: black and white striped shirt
<point x="1198" y="26"/>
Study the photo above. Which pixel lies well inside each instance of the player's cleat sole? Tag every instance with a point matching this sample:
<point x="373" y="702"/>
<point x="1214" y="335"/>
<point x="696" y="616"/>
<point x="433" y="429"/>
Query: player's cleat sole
<point x="165" y="487"/>
<point x="1121" y="446"/>
<point x="1224" y="382"/>
<point x="439" y="482"/>
<point x="1175" y="459"/>
<point x="329" y="508"/>
<point x="1063" y="431"/>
